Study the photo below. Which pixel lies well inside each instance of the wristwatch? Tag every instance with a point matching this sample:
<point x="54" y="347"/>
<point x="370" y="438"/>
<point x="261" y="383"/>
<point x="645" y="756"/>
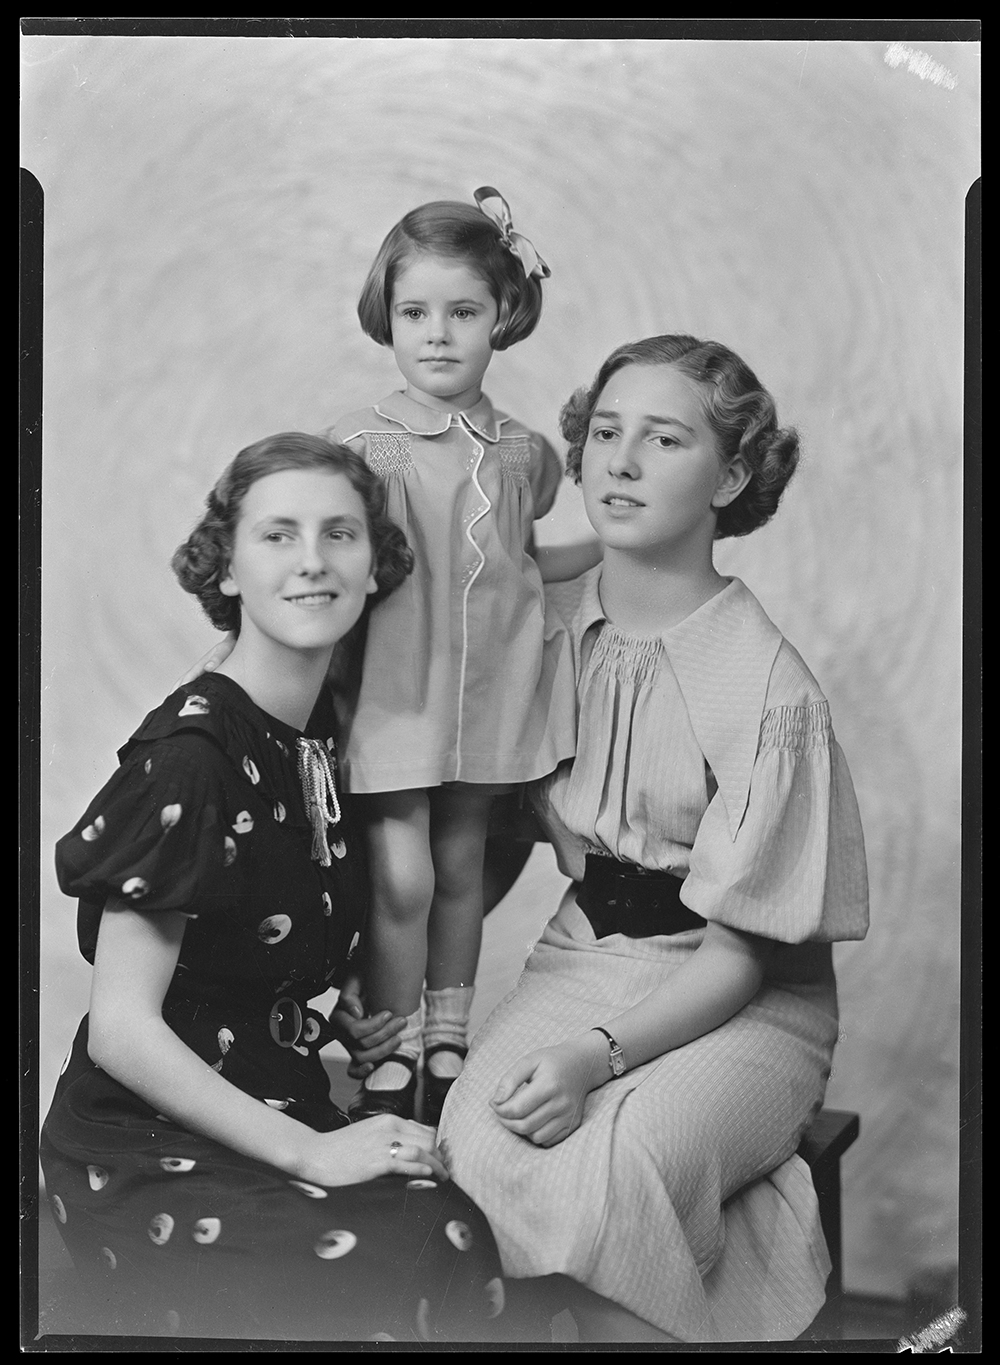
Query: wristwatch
<point x="617" y="1059"/>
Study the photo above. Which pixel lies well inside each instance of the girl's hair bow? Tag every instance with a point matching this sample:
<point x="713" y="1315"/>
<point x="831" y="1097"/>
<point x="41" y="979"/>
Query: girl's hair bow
<point x="495" y="206"/>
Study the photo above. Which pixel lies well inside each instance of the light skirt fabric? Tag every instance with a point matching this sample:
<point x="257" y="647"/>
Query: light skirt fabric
<point x="680" y="1196"/>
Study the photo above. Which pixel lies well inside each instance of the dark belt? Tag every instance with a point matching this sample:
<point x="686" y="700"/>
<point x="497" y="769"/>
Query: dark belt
<point x="619" y="898"/>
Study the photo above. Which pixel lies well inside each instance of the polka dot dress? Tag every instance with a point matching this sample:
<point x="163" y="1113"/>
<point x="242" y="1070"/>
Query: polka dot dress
<point x="176" y="1234"/>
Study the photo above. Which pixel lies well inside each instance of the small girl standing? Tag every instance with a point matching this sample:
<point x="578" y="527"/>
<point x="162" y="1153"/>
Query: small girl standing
<point x="466" y="687"/>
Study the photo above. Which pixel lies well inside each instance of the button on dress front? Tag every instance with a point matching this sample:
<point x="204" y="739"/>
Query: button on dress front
<point x="706" y="752"/>
<point x="171" y="1232"/>
<point x="466" y="676"/>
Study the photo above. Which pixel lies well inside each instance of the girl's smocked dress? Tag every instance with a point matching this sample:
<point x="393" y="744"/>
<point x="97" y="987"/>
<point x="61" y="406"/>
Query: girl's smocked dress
<point x="465" y="676"/>
<point x="176" y="1233"/>
<point x="707" y="752"/>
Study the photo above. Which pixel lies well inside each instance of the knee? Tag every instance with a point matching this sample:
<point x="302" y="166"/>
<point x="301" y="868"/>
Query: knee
<point x="402" y="893"/>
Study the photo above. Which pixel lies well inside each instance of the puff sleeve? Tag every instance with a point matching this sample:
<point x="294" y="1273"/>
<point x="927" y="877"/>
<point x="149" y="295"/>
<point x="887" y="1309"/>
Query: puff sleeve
<point x="546" y="475"/>
<point x="154" y="836"/>
<point x="795" y="870"/>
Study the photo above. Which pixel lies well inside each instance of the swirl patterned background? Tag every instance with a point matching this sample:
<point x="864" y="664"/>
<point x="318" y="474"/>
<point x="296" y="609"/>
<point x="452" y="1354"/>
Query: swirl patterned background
<point x="212" y="206"/>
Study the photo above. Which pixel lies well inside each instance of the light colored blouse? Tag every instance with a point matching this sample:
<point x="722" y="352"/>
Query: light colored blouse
<point x="466" y="676"/>
<point x="708" y="751"/>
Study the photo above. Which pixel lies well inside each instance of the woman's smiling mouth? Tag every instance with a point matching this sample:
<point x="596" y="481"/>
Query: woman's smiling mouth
<point x="313" y="599"/>
<point x="621" y="500"/>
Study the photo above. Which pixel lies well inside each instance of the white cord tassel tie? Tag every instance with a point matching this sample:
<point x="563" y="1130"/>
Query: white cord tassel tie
<point x="320" y="794"/>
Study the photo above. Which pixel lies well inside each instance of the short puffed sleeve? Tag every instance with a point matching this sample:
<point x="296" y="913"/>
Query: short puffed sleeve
<point x="154" y="836"/>
<point x="795" y="869"/>
<point x="546" y="475"/>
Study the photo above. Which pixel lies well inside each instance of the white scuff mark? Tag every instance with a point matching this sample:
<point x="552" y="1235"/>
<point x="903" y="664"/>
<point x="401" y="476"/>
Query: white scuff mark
<point x="920" y="64"/>
<point x="934" y="1335"/>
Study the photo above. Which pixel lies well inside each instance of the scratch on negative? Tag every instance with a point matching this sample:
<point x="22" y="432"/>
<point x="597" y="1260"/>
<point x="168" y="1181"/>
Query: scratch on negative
<point x="920" y="64"/>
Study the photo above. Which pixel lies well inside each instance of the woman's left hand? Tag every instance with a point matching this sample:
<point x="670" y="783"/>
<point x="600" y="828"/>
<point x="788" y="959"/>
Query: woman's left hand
<point x="368" y="1038"/>
<point x="542" y="1096"/>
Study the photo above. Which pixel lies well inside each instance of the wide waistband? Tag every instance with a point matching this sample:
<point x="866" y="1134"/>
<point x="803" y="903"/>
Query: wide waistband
<point x="620" y="898"/>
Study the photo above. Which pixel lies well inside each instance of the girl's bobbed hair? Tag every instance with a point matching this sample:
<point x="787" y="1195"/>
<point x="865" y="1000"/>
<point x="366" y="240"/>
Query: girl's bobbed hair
<point x="202" y="562"/>
<point x="738" y="409"/>
<point x="462" y="232"/>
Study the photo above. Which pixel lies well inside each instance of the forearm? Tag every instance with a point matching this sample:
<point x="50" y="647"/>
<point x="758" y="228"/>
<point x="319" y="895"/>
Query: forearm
<point x="134" y="964"/>
<point x="719" y="978"/>
<point x="541" y="1097"/>
<point x="129" y="1039"/>
<point x="148" y="1058"/>
<point x="145" y="1055"/>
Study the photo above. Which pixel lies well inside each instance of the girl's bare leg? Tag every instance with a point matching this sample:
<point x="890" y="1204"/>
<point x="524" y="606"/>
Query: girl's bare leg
<point x="402" y="886"/>
<point x="458" y="839"/>
<point x="402" y="879"/>
<point x="458" y="821"/>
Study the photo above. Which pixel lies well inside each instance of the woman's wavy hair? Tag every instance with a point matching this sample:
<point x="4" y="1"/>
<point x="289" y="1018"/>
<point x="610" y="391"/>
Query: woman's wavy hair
<point x="202" y="562"/>
<point x="738" y="409"/>
<point x="461" y="232"/>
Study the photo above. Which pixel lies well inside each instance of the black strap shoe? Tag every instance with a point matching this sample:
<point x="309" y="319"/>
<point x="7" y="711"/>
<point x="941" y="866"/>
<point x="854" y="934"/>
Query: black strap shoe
<point x="401" y="1102"/>
<point x="436" y="1087"/>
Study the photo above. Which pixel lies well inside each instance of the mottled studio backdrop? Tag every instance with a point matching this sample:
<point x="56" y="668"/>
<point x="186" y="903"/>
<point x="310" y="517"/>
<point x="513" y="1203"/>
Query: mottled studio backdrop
<point x="211" y="208"/>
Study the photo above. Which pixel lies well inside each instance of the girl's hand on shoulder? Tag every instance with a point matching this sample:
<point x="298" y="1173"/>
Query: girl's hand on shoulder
<point x="542" y="1096"/>
<point x="368" y="1038"/>
<point x="210" y="661"/>
<point x="384" y="1145"/>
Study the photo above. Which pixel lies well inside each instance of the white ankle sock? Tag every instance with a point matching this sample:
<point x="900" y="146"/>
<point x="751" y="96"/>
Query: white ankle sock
<point x="394" y="1075"/>
<point x="446" y="1022"/>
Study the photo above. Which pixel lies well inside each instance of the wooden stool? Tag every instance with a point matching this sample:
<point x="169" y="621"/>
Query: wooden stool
<point x="831" y="1133"/>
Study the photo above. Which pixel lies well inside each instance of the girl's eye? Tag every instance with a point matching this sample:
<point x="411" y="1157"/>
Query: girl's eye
<point x="602" y="434"/>
<point x="463" y="313"/>
<point x="276" y="537"/>
<point x="665" y="442"/>
<point x="341" y="533"/>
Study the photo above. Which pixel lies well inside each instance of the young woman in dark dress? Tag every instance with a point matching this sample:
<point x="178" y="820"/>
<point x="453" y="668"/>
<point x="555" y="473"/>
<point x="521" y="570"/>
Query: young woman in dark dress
<point x="201" y="1177"/>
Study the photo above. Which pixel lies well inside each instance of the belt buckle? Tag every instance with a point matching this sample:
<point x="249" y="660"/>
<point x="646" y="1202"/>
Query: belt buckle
<point x="285" y="1012"/>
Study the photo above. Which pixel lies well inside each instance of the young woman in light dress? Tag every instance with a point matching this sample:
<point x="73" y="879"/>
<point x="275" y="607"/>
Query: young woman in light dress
<point x="628" y="1117"/>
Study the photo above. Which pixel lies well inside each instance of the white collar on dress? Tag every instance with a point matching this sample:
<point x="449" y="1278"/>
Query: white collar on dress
<point x="722" y="656"/>
<point x="406" y="412"/>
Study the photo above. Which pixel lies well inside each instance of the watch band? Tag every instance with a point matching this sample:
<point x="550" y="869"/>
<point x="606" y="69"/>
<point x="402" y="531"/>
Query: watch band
<point x="617" y="1058"/>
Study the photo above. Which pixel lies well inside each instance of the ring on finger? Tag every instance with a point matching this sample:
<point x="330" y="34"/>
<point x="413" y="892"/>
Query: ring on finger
<point x="394" y="1149"/>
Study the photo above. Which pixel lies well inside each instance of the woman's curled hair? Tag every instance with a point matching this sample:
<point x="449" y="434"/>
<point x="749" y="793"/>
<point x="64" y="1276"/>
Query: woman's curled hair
<point x="738" y="409"/>
<point x="202" y="562"/>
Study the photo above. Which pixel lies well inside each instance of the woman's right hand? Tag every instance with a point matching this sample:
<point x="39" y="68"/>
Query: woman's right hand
<point x="350" y="1156"/>
<point x="210" y="661"/>
<point x="541" y="1097"/>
